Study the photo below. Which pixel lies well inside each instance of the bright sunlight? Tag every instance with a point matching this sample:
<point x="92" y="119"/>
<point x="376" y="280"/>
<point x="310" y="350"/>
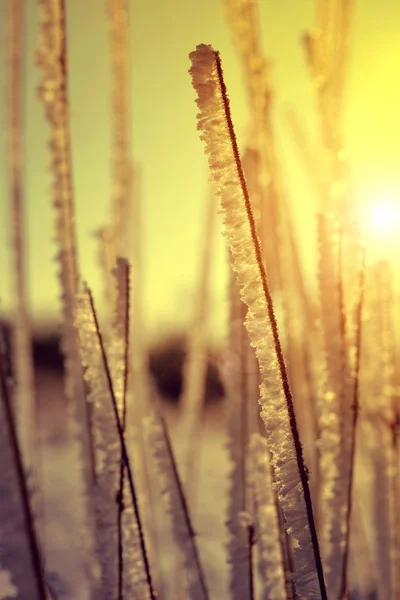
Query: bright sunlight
<point x="380" y="220"/>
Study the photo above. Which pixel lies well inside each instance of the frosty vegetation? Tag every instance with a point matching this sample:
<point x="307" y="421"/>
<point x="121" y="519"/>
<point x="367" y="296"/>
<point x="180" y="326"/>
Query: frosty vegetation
<point x="304" y="470"/>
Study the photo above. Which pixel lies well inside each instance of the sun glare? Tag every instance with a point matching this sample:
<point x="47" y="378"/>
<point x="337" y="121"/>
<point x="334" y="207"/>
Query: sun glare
<point x="380" y="219"/>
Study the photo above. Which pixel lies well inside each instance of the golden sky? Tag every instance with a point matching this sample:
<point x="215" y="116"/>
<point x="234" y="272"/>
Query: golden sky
<point x="165" y="140"/>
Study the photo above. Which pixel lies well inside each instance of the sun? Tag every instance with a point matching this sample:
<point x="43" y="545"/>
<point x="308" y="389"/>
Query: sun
<point x="380" y="219"/>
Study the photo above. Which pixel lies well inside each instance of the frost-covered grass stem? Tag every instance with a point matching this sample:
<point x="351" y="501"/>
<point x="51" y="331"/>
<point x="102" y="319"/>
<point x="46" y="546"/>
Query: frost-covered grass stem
<point x="33" y="542"/>
<point x="353" y="440"/>
<point x="303" y="473"/>
<point x="185" y="507"/>
<point x="120" y="497"/>
<point x="124" y="452"/>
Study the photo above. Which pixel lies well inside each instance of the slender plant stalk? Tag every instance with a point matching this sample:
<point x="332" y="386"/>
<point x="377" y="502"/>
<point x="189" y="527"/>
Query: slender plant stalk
<point x="289" y="588"/>
<point x="275" y="226"/>
<point x="251" y="542"/>
<point x="184" y="506"/>
<point x="246" y="34"/>
<point x="195" y="366"/>
<point x="303" y="473"/>
<point x="396" y="455"/>
<point x="122" y="169"/>
<point x="396" y="496"/>
<point x="244" y="437"/>
<point x="53" y="91"/>
<point x="287" y="563"/>
<point x="239" y="396"/>
<point x="120" y="493"/>
<point x="24" y="392"/>
<point x="113" y="238"/>
<point x="353" y="442"/>
<point x="237" y="393"/>
<point x="33" y="542"/>
<point x="124" y="452"/>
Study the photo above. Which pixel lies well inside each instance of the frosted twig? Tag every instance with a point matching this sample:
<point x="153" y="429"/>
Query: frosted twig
<point x="124" y="453"/>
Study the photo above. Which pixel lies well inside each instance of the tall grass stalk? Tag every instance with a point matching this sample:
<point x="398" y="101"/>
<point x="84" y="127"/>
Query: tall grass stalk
<point x="276" y="584"/>
<point x="159" y="440"/>
<point x="240" y="546"/>
<point x="344" y="577"/>
<point x="53" y="91"/>
<point x="195" y="366"/>
<point x="216" y="124"/>
<point x="272" y="214"/>
<point x="246" y="34"/>
<point x="121" y="328"/>
<point x="124" y="452"/>
<point x="113" y="238"/>
<point x="28" y="584"/>
<point x="24" y="396"/>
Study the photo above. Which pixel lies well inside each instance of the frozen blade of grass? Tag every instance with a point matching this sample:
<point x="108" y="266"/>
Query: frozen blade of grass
<point x="240" y="549"/>
<point x="173" y="491"/>
<point x="196" y="361"/>
<point x="344" y="577"/>
<point x="217" y="131"/>
<point x="122" y="170"/>
<point x="326" y="50"/>
<point x="52" y="59"/>
<point x="113" y="238"/>
<point x="19" y="546"/>
<point x="107" y="450"/>
<point x="119" y="347"/>
<point x="274" y="221"/>
<point x="377" y="418"/>
<point x="266" y="522"/>
<point x="53" y="91"/>
<point x="117" y="520"/>
<point x="119" y="363"/>
<point x="122" y="236"/>
<point x="246" y="34"/>
<point x="121" y="436"/>
<point x="333" y="480"/>
<point x="24" y="396"/>
<point x="139" y="390"/>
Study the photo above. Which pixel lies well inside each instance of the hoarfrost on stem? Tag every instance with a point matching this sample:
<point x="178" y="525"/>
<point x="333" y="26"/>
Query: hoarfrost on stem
<point x="291" y="475"/>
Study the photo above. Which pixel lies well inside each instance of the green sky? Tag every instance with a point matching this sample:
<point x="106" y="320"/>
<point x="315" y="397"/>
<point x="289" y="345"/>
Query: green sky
<point x="166" y="144"/>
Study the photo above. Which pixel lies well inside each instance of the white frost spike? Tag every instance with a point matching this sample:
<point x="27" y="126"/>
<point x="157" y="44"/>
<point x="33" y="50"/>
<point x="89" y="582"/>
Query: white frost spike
<point x="158" y="441"/>
<point x="216" y="128"/>
<point x="266" y="521"/>
<point x="108" y="460"/>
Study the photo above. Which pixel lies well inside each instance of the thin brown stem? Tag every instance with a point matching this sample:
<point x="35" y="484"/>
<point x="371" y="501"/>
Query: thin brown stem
<point x="251" y="542"/>
<point x="184" y="506"/>
<point x="124" y="452"/>
<point x="120" y="495"/>
<point x="303" y="472"/>
<point x="27" y="515"/>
